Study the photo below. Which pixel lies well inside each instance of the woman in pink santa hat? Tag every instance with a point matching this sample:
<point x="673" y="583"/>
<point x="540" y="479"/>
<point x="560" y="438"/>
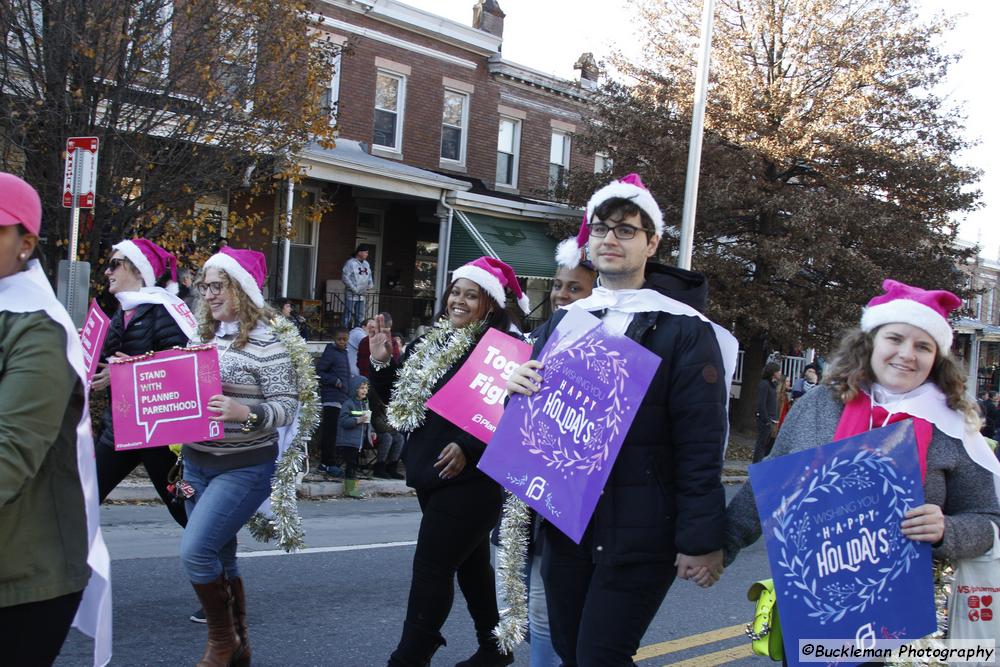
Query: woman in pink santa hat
<point x="227" y="480"/>
<point x="460" y="504"/>
<point x="898" y="366"/>
<point x="150" y="319"/>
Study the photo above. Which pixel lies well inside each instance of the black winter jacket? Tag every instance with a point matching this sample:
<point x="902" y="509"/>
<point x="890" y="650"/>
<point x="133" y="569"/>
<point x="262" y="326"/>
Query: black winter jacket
<point x="151" y="329"/>
<point x="423" y="445"/>
<point x="334" y="373"/>
<point x="664" y="494"/>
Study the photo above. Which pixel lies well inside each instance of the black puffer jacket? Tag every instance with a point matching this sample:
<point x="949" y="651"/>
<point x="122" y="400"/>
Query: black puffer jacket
<point x="150" y="329"/>
<point x="664" y="494"/>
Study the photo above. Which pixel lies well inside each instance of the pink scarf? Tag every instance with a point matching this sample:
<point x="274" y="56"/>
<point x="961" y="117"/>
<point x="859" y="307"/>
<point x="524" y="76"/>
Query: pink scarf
<point x="861" y="415"/>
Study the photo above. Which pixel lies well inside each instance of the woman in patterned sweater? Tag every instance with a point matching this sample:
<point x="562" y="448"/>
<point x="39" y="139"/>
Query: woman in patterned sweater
<point x="231" y="477"/>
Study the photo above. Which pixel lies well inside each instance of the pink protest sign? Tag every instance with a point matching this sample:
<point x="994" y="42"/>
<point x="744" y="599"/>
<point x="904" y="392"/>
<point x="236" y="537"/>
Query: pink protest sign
<point x="95" y="330"/>
<point x="473" y="398"/>
<point x="162" y="399"/>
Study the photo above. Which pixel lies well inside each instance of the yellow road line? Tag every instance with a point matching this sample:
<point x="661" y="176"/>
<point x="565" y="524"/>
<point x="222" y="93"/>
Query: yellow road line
<point x="674" y="645"/>
<point x="716" y="658"/>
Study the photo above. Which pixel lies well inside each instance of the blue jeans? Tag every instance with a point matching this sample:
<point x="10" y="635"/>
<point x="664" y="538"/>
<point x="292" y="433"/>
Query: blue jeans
<point x="543" y="654"/>
<point x="223" y="501"/>
<point x="354" y="312"/>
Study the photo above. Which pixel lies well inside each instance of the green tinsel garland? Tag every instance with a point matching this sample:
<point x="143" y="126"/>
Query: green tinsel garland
<point x="432" y="357"/>
<point x="511" y="558"/>
<point x="285" y="525"/>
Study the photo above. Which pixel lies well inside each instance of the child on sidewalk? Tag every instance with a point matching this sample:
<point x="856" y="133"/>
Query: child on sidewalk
<point x="334" y="373"/>
<point x="352" y="430"/>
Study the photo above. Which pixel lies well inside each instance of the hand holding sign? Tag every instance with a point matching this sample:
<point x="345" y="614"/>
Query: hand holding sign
<point x="525" y="378"/>
<point x="229" y="409"/>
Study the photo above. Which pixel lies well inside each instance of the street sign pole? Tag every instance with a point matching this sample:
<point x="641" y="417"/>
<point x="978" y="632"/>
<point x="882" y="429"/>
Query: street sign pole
<point x="79" y="191"/>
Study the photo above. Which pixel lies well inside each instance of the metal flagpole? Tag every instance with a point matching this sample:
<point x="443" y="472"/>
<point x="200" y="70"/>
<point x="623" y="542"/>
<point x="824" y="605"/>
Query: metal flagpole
<point x="697" y="130"/>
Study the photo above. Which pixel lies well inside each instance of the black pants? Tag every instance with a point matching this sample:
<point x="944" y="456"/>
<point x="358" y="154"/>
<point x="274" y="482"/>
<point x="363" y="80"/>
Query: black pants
<point x="454" y="538"/>
<point x="32" y="634"/>
<point x="113" y="467"/>
<point x="349" y="455"/>
<point x="764" y="442"/>
<point x="598" y="613"/>
<point x="328" y="442"/>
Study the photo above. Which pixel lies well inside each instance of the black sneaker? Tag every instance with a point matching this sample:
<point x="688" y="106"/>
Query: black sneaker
<point x="198" y="616"/>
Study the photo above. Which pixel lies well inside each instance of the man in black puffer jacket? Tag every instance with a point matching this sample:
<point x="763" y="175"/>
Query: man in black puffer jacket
<point x="662" y="511"/>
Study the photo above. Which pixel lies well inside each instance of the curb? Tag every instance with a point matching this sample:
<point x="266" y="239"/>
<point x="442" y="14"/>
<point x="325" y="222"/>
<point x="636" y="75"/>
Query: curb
<point x="310" y="490"/>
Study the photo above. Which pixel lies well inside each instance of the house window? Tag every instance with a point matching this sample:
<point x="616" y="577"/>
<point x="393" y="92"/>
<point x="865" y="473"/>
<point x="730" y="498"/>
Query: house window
<point x="454" y="120"/>
<point x="508" y="147"/>
<point x="331" y="94"/>
<point x="602" y="163"/>
<point x="558" y="159"/>
<point x="150" y="30"/>
<point x="390" y="91"/>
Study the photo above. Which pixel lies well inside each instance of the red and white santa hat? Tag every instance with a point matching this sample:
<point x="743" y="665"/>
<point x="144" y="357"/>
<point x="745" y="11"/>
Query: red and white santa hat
<point x="151" y="260"/>
<point x="247" y="267"/>
<point x="925" y="309"/>
<point x="493" y="276"/>
<point x="570" y="252"/>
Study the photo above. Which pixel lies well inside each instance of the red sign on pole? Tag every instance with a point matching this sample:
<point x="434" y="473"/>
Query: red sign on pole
<point x="80" y="177"/>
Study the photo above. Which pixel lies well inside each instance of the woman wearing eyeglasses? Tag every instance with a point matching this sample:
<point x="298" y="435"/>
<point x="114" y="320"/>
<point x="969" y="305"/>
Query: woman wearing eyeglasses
<point x="230" y="478"/>
<point x="150" y="319"/>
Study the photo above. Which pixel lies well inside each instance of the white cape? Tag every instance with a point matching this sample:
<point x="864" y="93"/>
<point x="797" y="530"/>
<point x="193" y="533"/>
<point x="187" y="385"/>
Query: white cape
<point x="173" y="303"/>
<point x="28" y="292"/>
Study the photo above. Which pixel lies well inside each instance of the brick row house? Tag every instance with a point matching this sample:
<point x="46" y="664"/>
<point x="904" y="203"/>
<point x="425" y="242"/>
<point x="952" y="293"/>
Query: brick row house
<point x="977" y="342"/>
<point x="445" y="152"/>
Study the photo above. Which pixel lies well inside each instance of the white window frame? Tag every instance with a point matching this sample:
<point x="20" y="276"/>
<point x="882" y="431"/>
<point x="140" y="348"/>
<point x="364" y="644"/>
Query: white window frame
<point x="400" y="111"/>
<point x="567" y="139"/>
<point x="600" y="157"/>
<point x="334" y="88"/>
<point x="463" y="144"/>
<point x="165" y="15"/>
<point x="516" y="147"/>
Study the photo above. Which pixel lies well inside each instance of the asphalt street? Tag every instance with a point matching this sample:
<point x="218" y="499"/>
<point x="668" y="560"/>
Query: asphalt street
<point x="341" y="602"/>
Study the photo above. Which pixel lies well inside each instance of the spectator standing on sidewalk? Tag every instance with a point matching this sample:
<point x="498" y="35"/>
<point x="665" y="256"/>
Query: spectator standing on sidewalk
<point x="460" y="504"/>
<point x="353" y="429"/>
<point x="358" y="281"/>
<point x="354" y="338"/>
<point x="767" y="409"/>
<point x="335" y="382"/>
<point x="49" y="516"/>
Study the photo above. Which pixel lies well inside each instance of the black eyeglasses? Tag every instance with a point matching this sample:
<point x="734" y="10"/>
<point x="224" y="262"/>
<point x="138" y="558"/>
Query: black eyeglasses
<point x="114" y="263"/>
<point x="205" y="288"/>
<point x="621" y="232"/>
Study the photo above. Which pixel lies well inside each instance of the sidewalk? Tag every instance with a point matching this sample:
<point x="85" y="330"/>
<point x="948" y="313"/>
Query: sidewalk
<point x="137" y="487"/>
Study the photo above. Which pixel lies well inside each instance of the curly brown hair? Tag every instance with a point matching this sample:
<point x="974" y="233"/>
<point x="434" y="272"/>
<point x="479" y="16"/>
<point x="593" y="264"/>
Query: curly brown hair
<point x="247" y="312"/>
<point x="850" y="371"/>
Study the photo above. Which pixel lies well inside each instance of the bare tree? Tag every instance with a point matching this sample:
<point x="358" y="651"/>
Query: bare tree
<point x="188" y="98"/>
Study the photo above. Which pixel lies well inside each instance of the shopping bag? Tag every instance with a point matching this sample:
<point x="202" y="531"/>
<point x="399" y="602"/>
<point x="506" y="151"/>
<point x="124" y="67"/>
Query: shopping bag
<point x="974" y="605"/>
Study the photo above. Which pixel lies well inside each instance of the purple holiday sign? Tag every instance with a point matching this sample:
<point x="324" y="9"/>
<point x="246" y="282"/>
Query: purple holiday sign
<point x="555" y="449"/>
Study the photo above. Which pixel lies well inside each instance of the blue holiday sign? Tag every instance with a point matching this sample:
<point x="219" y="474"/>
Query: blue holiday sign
<point x="831" y="518"/>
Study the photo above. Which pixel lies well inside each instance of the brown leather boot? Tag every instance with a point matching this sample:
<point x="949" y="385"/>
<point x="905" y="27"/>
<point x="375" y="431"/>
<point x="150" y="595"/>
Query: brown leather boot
<point x="223" y="648"/>
<point x="240" y="619"/>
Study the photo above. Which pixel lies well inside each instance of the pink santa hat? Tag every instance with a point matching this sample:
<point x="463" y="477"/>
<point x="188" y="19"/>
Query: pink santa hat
<point x="493" y="276"/>
<point x="247" y="267"/>
<point x="631" y="187"/>
<point x="902" y="303"/>
<point x="151" y="260"/>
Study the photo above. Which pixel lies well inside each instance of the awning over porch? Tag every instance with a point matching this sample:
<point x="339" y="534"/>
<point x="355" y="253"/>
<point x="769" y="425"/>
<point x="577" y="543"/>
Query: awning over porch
<point x="521" y="243"/>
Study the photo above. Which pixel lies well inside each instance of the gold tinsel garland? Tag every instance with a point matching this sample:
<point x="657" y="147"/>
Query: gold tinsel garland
<point x="285" y="524"/>
<point x="512" y="556"/>
<point x="432" y="357"/>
